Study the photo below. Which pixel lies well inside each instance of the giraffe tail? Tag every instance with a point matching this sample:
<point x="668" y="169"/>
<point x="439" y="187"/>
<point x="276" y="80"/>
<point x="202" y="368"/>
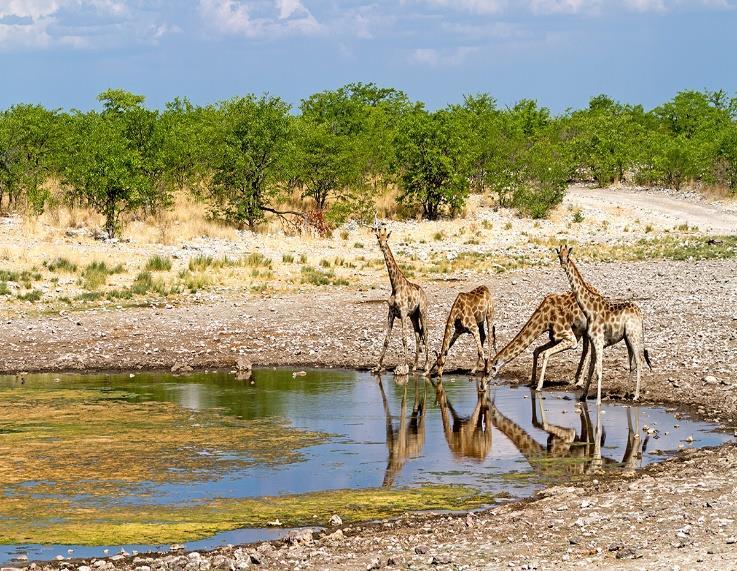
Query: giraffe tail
<point x="647" y="359"/>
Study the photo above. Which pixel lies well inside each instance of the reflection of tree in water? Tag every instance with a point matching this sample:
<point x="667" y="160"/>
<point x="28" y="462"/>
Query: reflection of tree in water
<point x="566" y="450"/>
<point x="470" y="436"/>
<point x="408" y="438"/>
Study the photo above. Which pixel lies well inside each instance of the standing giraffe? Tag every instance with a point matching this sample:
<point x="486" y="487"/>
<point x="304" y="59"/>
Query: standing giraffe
<point x="469" y="312"/>
<point x="560" y="316"/>
<point x="608" y="323"/>
<point x="407" y="300"/>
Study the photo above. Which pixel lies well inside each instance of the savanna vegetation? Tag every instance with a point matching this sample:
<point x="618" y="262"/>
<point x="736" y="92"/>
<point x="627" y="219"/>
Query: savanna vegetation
<point x="331" y="159"/>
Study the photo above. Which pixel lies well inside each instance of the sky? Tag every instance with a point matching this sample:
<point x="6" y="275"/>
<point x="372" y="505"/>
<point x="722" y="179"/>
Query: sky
<point x="62" y="53"/>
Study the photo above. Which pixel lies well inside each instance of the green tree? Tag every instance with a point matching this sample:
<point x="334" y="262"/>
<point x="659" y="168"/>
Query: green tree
<point x="114" y="161"/>
<point x="31" y="139"/>
<point x="250" y="139"/>
<point x="431" y="160"/>
<point x="104" y="170"/>
<point x="186" y="143"/>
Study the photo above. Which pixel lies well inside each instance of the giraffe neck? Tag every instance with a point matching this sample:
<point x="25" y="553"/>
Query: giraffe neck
<point x="585" y="295"/>
<point x="532" y="329"/>
<point x="396" y="277"/>
<point x="528" y="446"/>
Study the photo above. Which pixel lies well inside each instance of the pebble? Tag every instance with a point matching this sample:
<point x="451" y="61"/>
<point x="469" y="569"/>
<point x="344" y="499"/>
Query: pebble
<point x="335" y="521"/>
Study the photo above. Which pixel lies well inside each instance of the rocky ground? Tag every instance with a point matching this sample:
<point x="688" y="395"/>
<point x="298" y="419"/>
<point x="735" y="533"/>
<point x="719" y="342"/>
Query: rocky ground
<point x="676" y="515"/>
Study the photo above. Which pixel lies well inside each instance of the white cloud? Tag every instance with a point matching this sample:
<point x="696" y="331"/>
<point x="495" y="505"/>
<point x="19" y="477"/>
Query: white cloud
<point x="78" y="23"/>
<point x="564" y="6"/>
<point x="646" y="5"/>
<point x="432" y="57"/>
<point x="667" y="5"/>
<point x="546" y="7"/>
<point x="475" y="6"/>
<point x="282" y="17"/>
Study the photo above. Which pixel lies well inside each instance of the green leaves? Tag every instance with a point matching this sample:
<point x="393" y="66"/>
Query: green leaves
<point x="249" y="137"/>
<point x="108" y="169"/>
<point x="432" y="160"/>
<point x="346" y="149"/>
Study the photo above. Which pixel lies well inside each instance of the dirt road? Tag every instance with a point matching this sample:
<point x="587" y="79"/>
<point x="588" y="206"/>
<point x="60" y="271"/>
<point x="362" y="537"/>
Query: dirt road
<point x="667" y="209"/>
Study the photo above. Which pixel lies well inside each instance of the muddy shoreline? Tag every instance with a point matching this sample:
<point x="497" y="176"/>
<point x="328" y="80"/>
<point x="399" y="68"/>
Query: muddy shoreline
<point x="678" y="512"/>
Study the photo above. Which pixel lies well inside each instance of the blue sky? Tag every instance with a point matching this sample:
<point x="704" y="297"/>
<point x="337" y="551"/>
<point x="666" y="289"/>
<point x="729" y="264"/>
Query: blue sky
<point x="61" y="53"/>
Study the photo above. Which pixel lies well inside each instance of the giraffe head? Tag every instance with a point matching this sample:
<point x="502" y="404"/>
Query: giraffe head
<point x="496" y="366"/>
<point x="438" y="366"/>
<point x="382" y="235"/>
<point x="564" y="254"/>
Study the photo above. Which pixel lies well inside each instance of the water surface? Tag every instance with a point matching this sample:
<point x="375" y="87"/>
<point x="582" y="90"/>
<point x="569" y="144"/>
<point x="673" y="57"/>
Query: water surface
<point x="376" y="434"/>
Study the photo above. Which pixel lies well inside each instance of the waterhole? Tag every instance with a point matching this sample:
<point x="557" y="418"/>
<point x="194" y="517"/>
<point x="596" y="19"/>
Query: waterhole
<point x="92" y="464"/>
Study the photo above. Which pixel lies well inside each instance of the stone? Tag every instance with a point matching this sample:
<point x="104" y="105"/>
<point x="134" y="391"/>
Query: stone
<point x="420" y="550"/>
<point x="374" y="564"/>
<point x="181" y="367"/>
<point x="297" y="536"/>
<point x="401" y="370"/>
<point x="710" y="380"/>
<point x="84" y="568"/>
<point x="335" y="520"/>
<point x="441" y="559"/>
<point x="336" y="535"/>
<point x="243" y="364"/>
<point x="627" y="553"/>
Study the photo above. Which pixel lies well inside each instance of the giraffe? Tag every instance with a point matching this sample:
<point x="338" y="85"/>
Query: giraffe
<point x="408" y="439"/>
<point x="608" y="323"/>
<point x="468" y="437"/>
<point x="579" y="453"/>
<point x="407" y="300"/>
<point x="565" y="323"/>
<point x="467" y="315"/>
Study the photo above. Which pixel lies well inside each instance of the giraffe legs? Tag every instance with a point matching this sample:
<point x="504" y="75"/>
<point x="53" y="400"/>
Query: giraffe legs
<point x="417" y="346"/>
<point x="389" y="326"/>
<point x="535" y="356"/>
<point x="403" y="320"/>
<point x="636" y="350"/>
<point x="595" y="366"/>
<point x="425" y="329"/>
<point x="453" y="339"/>
<point x="583" y="364"/>
<point x="565" y="343"/>
<point x="479" y="349"/>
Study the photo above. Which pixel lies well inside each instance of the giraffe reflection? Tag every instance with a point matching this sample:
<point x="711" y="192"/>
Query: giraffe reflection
<point x="408" y="438"/>
<point x="568" y="452"/>
<point x="467" y="437"/>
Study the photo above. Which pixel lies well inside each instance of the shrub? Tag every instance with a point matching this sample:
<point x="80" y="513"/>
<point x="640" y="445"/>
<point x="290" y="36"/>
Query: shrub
<point x="256" y="259"/>
<point x="62" y="265"/>
<point x="32" y="296"/>
<point x="158" y="264"/>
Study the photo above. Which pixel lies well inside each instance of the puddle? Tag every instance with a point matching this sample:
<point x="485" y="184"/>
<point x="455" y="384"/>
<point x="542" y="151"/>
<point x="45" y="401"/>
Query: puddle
<point x="155" y="458"/>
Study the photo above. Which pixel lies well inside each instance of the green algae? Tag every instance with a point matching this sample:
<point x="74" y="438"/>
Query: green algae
<point x="40" y="522"/>
<point x="98" y="443"/>
<point x="66" y="455"/>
